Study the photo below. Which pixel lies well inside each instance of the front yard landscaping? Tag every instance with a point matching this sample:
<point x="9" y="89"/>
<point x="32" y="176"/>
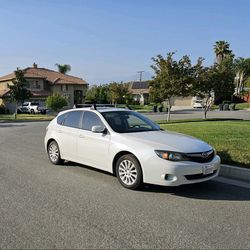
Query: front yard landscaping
<point x="26" y="117"/>
<point x="230" y="138"/>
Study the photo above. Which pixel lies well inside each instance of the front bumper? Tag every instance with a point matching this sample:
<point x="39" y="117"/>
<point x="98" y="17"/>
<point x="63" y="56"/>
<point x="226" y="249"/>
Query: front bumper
<point x="167" y="173"/>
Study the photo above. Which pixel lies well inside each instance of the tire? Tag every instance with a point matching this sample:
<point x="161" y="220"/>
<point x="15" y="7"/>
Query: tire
<point x="54" y="153"/>
<point x="32" y="111"/>
<point x="128" y="171"/>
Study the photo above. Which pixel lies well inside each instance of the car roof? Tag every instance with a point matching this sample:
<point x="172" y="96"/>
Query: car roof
<point x="99" y="109"/>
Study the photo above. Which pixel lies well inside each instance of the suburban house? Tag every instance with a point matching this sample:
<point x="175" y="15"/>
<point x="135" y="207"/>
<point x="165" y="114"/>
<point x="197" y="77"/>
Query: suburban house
<point x="44" y="82"/>
<point x="140" y="92"/>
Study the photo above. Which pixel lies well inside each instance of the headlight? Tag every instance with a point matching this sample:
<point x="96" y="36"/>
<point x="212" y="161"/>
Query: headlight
<point x="170" y="155"/>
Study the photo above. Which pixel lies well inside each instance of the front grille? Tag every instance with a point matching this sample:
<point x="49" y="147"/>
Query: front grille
<point x="202" y="157"/>
<point x="199" y="176"/>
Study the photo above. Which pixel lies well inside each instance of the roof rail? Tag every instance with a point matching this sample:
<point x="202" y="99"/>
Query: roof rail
<point x="95" y="106"/>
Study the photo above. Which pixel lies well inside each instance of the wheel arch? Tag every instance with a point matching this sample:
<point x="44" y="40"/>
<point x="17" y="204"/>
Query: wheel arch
<point x="120" y="154"/>
<point x="49" y="141"/>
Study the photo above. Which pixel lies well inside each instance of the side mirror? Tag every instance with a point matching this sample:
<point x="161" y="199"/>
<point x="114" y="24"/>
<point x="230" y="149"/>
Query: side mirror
<point x="98" y="129"/>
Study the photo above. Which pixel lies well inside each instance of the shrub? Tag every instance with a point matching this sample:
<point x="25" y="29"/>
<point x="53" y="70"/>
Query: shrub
<point x="55" y="102"/>
<point x="3" y="110"/>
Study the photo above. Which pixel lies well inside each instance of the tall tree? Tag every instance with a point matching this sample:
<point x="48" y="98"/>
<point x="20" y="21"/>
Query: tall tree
<point x="204" y="86"/>
<point x="224" y="80"/>
<point x="63" y="68"/>
<point x="98" y="94"/>
<point x="242" y="72"/>
<point x="18" y="88"/>
<point x="118" y="92"/>
<point x="172" y="78"/>
<point x="215" y="82"/>
<point x="222" y="50"/>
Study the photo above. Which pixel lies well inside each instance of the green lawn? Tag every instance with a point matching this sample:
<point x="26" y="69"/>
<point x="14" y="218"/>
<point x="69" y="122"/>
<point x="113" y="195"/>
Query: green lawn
<point x="230" y="138"/>
<point x="26" y="117"/>
<point x="242" y="105"/>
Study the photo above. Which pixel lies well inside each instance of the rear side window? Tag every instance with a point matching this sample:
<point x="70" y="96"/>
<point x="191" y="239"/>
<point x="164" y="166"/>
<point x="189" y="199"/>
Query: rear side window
<point x="72" y="119"/>
<point x="60" y="119"/>
<point x="91" y="119"/>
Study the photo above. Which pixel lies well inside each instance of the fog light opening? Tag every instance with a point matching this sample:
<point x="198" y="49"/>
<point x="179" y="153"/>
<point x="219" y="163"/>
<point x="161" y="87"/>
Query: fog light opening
<point x="170" y="177"/>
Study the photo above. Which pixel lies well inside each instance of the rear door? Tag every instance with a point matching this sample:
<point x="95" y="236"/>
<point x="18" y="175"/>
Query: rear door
<point x="68" y="134"/>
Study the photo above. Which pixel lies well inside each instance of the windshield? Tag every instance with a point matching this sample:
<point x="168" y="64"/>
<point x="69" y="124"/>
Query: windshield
<point x="129" y="122"/>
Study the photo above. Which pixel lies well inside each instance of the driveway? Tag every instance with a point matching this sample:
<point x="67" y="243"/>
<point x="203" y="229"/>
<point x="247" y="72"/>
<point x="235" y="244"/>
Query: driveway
<point x="72" y="206"/>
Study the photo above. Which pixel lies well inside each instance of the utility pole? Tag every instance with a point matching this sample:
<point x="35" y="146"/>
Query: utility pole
<point x="140" y="72"/>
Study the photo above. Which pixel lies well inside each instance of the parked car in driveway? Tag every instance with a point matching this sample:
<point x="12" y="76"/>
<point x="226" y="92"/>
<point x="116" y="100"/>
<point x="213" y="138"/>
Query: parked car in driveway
<point x="198" y="104"/>
<point x="31" y="108"/>
<point x="130" y="146"/>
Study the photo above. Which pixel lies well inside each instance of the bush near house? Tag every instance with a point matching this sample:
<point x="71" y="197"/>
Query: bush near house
<point x="55" y="102"/>
<point x="3" y="110"/>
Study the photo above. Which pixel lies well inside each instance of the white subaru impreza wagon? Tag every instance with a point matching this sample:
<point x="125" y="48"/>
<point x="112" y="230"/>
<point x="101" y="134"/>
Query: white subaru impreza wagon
<point x="130" y="146"/>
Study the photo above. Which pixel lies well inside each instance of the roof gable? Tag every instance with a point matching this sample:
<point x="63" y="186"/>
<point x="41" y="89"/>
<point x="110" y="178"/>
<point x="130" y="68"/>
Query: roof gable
<point x="52" y="76"/>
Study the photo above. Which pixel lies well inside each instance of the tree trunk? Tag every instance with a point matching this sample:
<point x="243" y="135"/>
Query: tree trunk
<point x="205" y="113"/>
<point x="206" y="108"/>
<point x="169" y="108"/>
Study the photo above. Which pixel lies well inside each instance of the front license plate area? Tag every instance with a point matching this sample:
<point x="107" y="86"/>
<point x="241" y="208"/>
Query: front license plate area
<point x="208" y="169"/>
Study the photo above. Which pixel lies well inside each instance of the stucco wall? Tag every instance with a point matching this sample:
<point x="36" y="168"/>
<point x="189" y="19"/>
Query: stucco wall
<point x="4" y="85"/>
<point x="69" y="93"/>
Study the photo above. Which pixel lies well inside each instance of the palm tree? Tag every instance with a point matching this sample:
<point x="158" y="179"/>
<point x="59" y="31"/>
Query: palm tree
<point x="63" y="68"/>
<point x="242" y="70"/>
<point x="221" y="49"/>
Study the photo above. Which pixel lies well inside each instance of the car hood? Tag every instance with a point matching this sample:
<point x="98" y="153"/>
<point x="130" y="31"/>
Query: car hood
<point x="166" y="140"/>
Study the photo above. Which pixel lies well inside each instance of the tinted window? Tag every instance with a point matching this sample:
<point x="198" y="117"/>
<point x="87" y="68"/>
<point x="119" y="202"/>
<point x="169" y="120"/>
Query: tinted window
<point x="91" y="119"/>
<point x="60" y="119"/>
<point x="129" y="122"/>
<point x="73" y="119"/>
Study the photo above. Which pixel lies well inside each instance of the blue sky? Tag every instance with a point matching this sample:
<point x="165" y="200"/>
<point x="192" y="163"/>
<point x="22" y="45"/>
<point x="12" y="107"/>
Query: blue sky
<point x="110" y="40"/>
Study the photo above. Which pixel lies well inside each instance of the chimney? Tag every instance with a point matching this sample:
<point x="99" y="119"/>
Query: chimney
<point x="34" y="65"/>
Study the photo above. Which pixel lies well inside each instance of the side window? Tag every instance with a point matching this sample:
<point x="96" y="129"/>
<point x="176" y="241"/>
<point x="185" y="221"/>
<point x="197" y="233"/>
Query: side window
<point x="73" y="119"/>
<point x="60" y="119"/>
<point x="91" y="119"/>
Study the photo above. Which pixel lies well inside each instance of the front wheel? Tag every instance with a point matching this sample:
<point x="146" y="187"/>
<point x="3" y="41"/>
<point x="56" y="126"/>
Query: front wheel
<point x="54" y="153"/>
<point x="128" y="171"/>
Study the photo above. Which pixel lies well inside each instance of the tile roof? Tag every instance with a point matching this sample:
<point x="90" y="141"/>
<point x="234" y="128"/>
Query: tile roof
<point x="52" y="76"/>
<point x="3" y="92"/>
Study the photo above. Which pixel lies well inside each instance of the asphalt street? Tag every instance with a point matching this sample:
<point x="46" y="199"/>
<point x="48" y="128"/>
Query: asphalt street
<point x="43" y="206"/>
<point x="198" y="113"/>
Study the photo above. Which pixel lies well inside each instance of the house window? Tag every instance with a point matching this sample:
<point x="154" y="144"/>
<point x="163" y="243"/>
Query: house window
<point x="33" y="85"/>
<point x="64" y="87"/>
<point x="78" y="96"/>
<point x="37" y="85"/>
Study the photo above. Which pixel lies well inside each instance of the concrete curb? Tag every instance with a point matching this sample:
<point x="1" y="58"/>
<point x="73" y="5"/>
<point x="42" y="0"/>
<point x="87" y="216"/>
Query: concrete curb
<point x="233" y="172"/>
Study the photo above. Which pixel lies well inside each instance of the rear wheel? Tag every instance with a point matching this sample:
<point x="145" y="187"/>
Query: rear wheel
<point x="128" y="171"/>
<point x="54" y="153"/>
<point x="32" y="111"/>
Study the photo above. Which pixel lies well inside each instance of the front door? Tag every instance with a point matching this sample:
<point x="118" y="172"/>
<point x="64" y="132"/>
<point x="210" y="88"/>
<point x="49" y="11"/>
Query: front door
<point x="93" y="148"/>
